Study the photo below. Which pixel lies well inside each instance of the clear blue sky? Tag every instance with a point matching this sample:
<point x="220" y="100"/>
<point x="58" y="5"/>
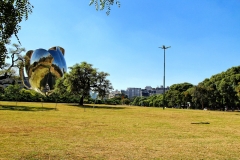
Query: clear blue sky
<point x="204" y="36"/>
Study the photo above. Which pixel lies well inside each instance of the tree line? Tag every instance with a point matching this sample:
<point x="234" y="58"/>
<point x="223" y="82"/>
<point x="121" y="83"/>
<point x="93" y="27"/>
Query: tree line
<point x="17" y="93"/>
<point x="219" y="92"/>
<point x="73" y="87"/>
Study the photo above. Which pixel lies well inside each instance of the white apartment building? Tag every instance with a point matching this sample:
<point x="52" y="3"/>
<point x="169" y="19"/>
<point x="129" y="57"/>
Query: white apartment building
<point x="133" y="92"/>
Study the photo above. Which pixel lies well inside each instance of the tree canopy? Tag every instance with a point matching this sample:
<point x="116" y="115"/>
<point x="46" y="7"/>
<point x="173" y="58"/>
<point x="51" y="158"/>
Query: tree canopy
<point x="219" y="92"/>
<point x="12" y="12"/>
<point x="81" y="79"/>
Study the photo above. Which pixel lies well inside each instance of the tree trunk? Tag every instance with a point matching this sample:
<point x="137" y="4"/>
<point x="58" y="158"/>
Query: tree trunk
<point x="81" y="101"/>
<point x="202" y="104"/>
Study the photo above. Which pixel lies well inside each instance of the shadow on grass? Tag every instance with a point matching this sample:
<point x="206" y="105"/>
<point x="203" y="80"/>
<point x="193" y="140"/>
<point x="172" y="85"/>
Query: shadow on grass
<point x="25" y="108"/>
<point x="98" y="107"/>
<point x="200" y="123"/>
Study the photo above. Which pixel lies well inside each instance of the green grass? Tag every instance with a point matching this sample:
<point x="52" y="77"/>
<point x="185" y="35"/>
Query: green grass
<point x="33" y="131"/>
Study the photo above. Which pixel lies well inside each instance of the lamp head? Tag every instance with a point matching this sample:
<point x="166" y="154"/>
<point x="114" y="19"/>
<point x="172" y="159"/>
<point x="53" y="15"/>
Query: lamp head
<point x="164" y="47"/>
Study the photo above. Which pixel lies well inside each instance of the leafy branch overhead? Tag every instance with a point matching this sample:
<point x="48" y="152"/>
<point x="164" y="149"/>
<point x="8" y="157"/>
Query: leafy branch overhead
<point x="104" y="4"/>
<point x="12" y="12"/>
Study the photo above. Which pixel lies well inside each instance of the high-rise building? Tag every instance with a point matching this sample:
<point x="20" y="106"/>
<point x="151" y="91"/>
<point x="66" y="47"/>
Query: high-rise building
<point x="133" y="92"/>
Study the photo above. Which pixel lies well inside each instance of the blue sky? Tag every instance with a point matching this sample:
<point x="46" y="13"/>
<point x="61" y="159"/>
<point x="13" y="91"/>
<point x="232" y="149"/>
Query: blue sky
<point x="204" y="37"/>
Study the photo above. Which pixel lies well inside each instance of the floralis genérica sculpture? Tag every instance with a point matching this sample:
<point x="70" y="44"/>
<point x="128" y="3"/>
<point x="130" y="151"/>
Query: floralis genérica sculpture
<point x="43" y="68"/>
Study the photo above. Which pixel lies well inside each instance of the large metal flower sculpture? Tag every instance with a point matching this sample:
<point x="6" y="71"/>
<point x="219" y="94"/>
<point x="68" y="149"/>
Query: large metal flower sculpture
<point x="43" y="68"/>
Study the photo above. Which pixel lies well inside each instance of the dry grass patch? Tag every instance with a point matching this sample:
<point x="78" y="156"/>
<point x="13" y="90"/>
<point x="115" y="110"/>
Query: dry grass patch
<point x="116" y="132"/>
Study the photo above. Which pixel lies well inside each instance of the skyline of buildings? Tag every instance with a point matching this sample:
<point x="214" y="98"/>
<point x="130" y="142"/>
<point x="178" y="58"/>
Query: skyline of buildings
<point x="137" y="92"/>
<point x="130" y="92"/>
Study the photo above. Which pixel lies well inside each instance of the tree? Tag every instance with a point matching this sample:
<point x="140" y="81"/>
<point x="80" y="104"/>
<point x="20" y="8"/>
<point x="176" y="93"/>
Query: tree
<point x="12" y="92"/>
<point x="8" y="71"/>
<point x="29" y="95"/>
<point x="200" y="94"/>
<point x="82" y="78"/>
<point x="228" y="92"/>
<point x="12" y="12"/>
<point x="126" y="101"/>
<point x="158" y="101"/>
<point x="104" y="4"/>
<point x="60" y="92"/>
<point x="177" y="94"/>
<point x="136" y="101"/>
<point x="101" y="84"/>
<point x="16" y="60"/>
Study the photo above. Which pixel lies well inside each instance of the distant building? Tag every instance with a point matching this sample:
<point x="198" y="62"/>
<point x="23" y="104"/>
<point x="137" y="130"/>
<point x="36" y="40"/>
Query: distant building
<point x="137" y="92"/>
<point x="123" y="92"/>
<point x="149" y="88"/>
<point x="113" y="93"/>
<point x="153" y="91"/>
<point x="145" y="93"/>
<point x="10" y="81"/>
<point x="6" y="82"/>
<point x="133" y="92"/>
<point x="159" y="90"/>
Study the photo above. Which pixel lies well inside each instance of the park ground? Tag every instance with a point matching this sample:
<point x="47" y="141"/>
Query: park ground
<point x="40" y="131"/>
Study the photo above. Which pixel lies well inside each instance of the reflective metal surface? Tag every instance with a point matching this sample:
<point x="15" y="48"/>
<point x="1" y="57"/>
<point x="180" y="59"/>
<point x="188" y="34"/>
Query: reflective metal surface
<point x="44" y="67"/>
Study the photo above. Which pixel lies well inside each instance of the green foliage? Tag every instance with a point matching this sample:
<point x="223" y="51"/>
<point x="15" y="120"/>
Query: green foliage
<point x="104" y="4"/>
<point x="12" y="13"/>
<point x="178" y="95"/>
<point x="152" y="101"/>
<point x="158" y="100"/>
<point x="218" y="91"/>
<point x="126" y="101"/>
<point x="29" y="96"/>
<point x="114" y="101"/>
<point x="12" y="92"/>
<point x="81" y="79"/>
<point x="17" y="93"/>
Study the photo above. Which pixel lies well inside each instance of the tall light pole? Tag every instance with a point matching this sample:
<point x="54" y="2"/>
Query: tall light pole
<point x="164" y="48"/>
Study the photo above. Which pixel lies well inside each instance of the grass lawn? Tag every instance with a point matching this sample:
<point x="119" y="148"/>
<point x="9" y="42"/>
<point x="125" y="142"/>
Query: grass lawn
<point x="30" y="131"/>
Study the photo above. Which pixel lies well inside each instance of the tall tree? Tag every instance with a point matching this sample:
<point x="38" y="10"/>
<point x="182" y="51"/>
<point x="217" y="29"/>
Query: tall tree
<point x="82" y="78"/>
<point x="200" y="94"/>
<point x="177" y="94"/>
<point x="12" y="12"/>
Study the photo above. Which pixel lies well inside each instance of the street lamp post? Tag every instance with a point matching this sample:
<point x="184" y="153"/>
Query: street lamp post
<point x="164" y="48"/>
<point x="141" y="96"/>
